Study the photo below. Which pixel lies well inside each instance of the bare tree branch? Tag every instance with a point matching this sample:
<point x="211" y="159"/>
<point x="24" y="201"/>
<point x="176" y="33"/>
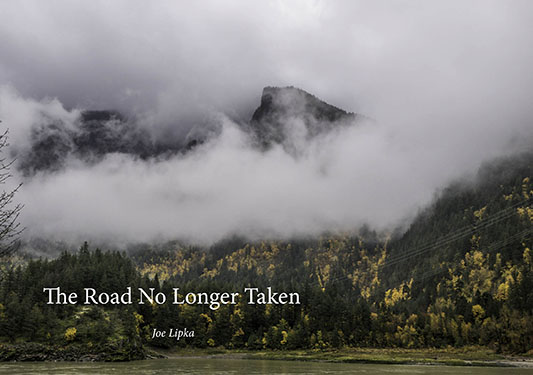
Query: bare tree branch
<point x="10" y="228"/>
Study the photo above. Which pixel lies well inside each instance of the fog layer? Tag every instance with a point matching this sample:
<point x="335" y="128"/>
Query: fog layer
<point x="447" y="85"/>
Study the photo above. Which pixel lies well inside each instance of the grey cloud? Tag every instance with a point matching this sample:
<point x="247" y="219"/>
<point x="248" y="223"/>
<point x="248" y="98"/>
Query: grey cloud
<point x="448" y="83"/>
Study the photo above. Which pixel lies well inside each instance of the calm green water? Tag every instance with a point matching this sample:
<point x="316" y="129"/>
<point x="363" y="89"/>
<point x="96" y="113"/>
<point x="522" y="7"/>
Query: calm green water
<point x="236" y="366"/>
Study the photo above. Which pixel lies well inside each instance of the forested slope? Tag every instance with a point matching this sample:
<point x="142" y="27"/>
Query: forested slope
<point x="462" y="274"/>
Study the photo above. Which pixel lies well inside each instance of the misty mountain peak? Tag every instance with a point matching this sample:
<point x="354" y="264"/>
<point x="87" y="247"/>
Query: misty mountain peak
<point x="288" y="111"/>
<point x="292" y="101"/>
<point x="287" y="115"/>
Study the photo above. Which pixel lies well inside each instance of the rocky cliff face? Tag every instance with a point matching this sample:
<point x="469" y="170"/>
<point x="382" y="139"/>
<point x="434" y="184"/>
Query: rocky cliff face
<point x="287" y="116"/>
<point x="94" y="135"/>
<point x="287" y="112"/>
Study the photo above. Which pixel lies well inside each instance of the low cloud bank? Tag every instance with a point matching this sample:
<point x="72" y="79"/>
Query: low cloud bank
<point x="448" y="85"/>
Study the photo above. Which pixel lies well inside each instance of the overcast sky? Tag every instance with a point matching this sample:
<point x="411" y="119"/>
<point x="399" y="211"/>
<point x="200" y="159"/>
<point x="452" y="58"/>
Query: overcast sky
<point x="448" y="83"/>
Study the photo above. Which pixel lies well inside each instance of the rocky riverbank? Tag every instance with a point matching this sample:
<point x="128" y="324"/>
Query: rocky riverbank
<point x="78" y="353"/>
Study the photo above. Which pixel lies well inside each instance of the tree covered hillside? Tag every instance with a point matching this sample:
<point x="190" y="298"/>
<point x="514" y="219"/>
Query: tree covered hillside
<point x="462" y="274"/>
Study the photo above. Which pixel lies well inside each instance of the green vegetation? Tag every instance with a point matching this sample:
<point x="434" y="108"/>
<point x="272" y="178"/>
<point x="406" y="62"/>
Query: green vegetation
<point x="25" y="316"/>
<point x="460" y="276"/>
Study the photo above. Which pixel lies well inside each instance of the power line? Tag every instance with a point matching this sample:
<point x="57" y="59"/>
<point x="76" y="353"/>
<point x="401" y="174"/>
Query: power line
<point x="495" y="218"/>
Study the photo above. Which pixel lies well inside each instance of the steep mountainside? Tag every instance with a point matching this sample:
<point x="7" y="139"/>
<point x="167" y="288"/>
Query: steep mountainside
<point x="289" y="111"/>
<point x="91" y="137"/>
<point x="285" y="115"/>
<point x="461" y="275"/>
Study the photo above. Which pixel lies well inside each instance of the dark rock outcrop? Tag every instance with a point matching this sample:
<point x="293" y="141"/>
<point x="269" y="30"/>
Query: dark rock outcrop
<point x="94" y="135"/>
<point x="288" y="110"/>
<point x="37" y="352"/>
<point x="288" y="116"/>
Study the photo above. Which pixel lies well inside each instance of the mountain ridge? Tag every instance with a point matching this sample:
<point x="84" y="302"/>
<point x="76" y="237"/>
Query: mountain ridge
<point x="284" y="113"/>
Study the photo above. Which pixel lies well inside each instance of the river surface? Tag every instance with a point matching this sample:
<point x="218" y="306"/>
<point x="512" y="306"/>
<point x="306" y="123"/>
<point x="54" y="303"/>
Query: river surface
<point x="240" y="366"/>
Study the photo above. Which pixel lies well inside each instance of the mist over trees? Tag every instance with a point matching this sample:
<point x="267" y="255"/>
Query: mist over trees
<point x="461" y="275"/>
<point x="147" y="130"/>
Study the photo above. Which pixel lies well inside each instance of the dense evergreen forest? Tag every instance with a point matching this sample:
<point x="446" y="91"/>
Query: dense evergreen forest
<point x="462" y="274"/>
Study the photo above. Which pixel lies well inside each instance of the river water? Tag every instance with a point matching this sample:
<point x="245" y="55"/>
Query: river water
<point x="240" y="366"/>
